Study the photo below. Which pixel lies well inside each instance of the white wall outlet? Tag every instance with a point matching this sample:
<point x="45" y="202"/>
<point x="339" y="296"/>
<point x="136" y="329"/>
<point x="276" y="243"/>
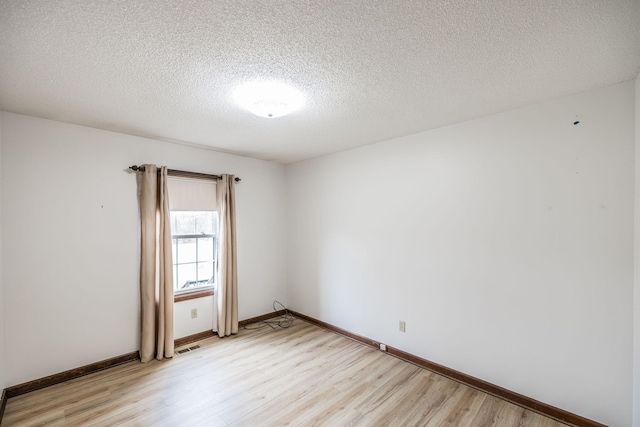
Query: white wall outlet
<point x="383" y="347"/>
<point x="194" y="313"/>
<point x="402" y="326"/>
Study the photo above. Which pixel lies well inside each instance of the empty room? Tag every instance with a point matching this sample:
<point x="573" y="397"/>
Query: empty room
<point x="332" y="213"/>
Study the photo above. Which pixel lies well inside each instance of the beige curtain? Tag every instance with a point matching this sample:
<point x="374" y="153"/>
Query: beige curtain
<point x="156" y="269"/>
<point x="226" y="270"/>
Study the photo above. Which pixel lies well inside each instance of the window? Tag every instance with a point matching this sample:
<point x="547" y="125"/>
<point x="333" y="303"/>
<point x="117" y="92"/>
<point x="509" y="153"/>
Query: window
<point x="192" y="203"/>
<point x="193" y="245"/>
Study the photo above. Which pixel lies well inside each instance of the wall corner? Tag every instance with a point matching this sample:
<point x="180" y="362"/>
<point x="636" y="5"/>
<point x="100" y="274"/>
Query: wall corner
<point x="636" y="286"/>
<point x="2" y="376"/>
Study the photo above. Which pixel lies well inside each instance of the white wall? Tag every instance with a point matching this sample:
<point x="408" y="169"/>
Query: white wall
<point x="636" y="363"/>
<point x="505" y="243"/>
<point x="71" y="239"/>
<point x="185" y="325"/>
<point x="2" y="378"/>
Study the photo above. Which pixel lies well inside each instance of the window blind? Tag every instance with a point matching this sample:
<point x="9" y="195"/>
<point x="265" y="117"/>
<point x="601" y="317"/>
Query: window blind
<point x="191" y="194"/>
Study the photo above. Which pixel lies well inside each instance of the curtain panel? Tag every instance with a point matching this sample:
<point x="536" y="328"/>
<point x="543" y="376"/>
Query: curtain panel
<point x="156" y="274"/>
<point x="226" y="268"/>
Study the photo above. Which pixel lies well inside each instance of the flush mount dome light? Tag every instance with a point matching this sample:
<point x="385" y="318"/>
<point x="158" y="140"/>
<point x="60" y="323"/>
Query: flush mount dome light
<point x="268" y="99"/>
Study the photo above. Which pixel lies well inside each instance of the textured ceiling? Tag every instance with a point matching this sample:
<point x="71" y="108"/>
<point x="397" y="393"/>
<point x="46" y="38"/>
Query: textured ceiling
<point x="371" y="70"/>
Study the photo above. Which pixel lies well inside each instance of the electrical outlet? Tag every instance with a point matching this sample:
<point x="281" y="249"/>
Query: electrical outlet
<point x="383" y="347"/>
<point x="194" y="313"/>
<point x="402" y="326"/>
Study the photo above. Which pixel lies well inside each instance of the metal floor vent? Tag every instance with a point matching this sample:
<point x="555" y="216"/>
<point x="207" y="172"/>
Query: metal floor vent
<point x="186" y="350"/>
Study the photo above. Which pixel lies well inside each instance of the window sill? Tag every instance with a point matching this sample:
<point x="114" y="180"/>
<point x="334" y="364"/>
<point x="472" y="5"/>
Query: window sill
<point x="197" y="293"/>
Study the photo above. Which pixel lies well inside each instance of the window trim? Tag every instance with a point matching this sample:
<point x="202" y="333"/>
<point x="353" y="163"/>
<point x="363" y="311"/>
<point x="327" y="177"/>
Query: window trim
<point x="193" y="294"/>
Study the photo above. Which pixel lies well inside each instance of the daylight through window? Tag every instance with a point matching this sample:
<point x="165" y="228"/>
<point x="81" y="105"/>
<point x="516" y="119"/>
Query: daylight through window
<point x="193" y="247"/>
<point x="192" y="203"/>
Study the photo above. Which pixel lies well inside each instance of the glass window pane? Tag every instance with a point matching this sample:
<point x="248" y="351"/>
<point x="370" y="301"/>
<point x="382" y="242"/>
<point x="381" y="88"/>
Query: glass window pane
<point x="193" y="222"/>
<point x="205" y="249"/>
<point x="183" y="222"/>
<point x="204" y="222"/>
<point x="186" y="251"/>
<point x="205" y="273"/>
<point x="193" y="258"/>
<point x="187" y="274"/>
<point x="175" y="277"/>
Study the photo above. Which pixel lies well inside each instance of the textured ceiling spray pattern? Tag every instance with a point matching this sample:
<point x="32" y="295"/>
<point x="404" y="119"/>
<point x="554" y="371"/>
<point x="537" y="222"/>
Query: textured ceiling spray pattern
<point x="371" y="70"/>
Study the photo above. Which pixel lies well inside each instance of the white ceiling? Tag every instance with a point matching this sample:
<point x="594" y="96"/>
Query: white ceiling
<point x="372" y="70"/>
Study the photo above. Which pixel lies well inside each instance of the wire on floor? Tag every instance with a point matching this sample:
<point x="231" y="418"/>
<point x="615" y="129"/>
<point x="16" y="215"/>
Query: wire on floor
<point x="283" y="321"/>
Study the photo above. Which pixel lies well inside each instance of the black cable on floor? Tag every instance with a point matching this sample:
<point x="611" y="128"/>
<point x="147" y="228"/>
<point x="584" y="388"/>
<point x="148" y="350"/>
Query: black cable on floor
<point x="284" y="321"/>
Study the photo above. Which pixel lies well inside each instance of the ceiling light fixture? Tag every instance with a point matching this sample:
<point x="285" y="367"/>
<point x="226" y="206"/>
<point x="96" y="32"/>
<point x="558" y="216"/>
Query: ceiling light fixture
<point x="269" y="99"/>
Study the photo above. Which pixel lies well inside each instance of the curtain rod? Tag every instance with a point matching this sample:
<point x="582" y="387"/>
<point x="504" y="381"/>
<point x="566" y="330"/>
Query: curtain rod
<point x="184" y="174"/>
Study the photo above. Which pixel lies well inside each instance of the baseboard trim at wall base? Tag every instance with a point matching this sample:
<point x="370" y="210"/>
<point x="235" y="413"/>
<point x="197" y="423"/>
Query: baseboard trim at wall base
<point x="517" y="399"/>
<point x="61" y="377"/>
<point x="208" y="334"/>
<point x="257" y="319"/>
<point x="30" y="386"/>
<point x="3" y="403"/>
<point x="193" y="338"/>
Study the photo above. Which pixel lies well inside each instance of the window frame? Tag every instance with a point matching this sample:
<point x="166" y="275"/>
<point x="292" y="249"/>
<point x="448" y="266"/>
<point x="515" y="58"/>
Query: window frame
<point x="193" y="294"/>
<point x="199" y="291"/>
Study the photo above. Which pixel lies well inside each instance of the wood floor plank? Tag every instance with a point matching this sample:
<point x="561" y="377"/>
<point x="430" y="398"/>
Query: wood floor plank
<point x="302" y="376"/>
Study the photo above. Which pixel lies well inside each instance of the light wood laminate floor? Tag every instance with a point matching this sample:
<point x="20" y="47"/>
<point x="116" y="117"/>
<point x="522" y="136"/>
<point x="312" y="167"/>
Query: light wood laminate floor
<point x="300" y="376"/>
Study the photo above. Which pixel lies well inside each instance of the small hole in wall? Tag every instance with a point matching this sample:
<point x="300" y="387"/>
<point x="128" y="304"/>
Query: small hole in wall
<point x="576" y="123"/>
